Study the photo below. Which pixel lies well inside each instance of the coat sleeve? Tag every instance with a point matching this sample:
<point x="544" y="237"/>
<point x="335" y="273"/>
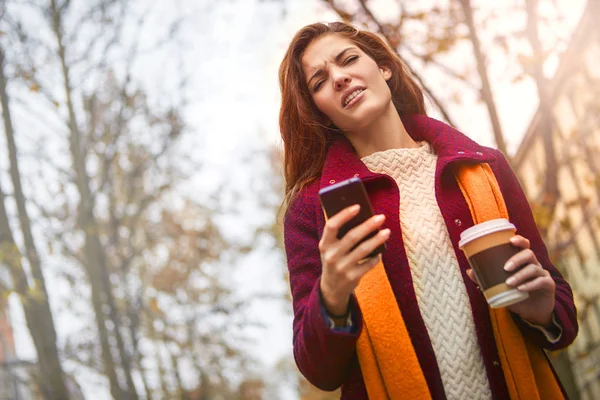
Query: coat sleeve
<point x="322" y="355"/>
<point x="520" y="214"/>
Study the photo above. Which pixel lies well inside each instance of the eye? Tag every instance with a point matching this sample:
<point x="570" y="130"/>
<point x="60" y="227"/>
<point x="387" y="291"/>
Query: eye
<point x="350" y="60"/>
<point x="318" y="85"/>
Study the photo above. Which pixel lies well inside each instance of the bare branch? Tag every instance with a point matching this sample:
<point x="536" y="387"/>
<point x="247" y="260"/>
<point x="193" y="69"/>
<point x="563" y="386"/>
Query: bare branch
<point x="444" y="68"/>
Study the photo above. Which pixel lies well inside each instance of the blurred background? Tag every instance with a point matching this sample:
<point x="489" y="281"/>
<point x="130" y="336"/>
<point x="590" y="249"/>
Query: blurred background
<point x="140" y="179"/>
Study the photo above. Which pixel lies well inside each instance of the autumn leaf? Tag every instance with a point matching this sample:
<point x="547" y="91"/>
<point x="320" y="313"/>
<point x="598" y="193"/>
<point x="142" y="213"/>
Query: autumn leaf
<point x="154" y="307"/>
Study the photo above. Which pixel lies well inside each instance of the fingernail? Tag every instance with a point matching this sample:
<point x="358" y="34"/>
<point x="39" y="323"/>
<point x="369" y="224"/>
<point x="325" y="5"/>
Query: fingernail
<point x="355" y="208"/>
<point x="385" y="232"/>
<point x="511" y="281"/>
<point x="508" y="266"/>
<point x="513" y="239"/>
<point x="379" y="218"/>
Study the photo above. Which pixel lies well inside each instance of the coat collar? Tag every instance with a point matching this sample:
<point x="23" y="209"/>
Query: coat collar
<point x="449" y="144"/>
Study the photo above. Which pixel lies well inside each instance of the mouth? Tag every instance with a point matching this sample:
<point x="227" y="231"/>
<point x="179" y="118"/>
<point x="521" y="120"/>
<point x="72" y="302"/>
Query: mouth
<point x="352" y="98"/>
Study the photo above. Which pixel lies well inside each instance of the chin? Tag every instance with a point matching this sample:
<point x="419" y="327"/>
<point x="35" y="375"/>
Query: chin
<point x="365" y="116"/>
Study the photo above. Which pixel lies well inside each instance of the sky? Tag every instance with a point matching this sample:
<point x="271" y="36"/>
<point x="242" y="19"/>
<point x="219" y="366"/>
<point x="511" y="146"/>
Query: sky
<point x="233" y="55"/>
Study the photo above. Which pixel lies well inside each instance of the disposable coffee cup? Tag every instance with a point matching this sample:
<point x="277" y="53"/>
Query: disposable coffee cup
<point x="487" y="247"/>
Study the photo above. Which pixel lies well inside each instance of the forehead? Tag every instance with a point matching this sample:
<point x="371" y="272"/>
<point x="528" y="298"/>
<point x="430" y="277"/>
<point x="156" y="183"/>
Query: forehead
<point x="323" y="50"/>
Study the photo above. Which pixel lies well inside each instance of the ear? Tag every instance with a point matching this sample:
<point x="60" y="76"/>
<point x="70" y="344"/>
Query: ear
<point x="386" y="73"/>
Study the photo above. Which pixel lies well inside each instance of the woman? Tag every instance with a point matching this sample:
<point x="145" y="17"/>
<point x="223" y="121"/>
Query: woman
<point x="350" y="108"/>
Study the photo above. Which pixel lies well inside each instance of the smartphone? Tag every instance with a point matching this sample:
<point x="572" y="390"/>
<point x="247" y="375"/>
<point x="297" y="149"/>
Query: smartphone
<point x="344" y="194"/>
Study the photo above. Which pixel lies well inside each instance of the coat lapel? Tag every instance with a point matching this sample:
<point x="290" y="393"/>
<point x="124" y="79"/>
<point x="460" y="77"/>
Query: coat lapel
<point x="449" y="144"/>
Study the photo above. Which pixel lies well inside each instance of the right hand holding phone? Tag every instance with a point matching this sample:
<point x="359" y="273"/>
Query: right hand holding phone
<point x="343" y="267"/>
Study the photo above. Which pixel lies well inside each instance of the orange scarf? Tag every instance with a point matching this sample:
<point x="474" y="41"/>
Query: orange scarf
<point x="387" y="358"/>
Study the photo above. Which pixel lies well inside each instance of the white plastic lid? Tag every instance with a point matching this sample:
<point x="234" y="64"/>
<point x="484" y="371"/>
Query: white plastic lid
<point x="507" y="298"/>
<point x="484" y="228"/>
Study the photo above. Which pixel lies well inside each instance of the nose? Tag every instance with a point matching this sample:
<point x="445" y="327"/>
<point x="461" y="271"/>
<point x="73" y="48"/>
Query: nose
<point x="341" y="80"/>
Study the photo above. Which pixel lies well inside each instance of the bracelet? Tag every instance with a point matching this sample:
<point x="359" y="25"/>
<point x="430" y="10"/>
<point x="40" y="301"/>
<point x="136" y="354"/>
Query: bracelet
<point x="344" y="316"/>
<point x="347" y="322"/>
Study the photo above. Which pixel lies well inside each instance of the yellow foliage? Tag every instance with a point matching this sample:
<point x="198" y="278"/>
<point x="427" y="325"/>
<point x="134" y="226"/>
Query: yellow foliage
<point x="10" y="254"/>
<point x="35" y="292"/>
<point x="154" y="307"/>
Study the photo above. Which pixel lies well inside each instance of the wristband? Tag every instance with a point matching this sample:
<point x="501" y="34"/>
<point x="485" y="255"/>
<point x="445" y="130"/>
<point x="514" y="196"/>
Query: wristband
<point x="338" y="323"/>
<point x="334" y="316"/>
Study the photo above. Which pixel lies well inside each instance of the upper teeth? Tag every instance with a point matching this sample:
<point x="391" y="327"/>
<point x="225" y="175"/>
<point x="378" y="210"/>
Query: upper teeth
<point x="352" y="95"/>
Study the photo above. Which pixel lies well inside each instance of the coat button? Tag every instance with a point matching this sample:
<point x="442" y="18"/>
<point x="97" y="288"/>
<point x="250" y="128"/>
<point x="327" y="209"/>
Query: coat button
<point x="461" y="152"/>
<point x="458" y="222"/>
<point x="332" y="181"/>
<point x="479" y="153"/>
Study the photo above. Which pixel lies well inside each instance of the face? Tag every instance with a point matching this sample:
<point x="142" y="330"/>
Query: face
<point x="345" y="83"/>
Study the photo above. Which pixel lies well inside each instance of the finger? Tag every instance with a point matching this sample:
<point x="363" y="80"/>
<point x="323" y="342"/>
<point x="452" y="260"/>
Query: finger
<point x="539" y="283"/>
<point x="330" y="256"/>
<point x="365" y="248"/>
<point x="333" y="225"/>
<point x="520" y="241"/>
<point x="360" y="270"/>
<point x="358" y="233"/>
<point x="527" y="273"/>
<point x="471" y="275"/>
<point x="523" y="257"/>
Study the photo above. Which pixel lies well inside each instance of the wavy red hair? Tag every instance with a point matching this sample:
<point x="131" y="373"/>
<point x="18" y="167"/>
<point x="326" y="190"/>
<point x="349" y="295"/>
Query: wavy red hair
<point x="304" y="129"/>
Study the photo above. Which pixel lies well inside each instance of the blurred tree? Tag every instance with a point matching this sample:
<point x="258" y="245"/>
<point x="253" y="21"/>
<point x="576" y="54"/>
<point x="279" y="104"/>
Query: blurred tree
<point x="95" y="259"/>
<point x="34" y="298"/>
<point x="545" y="205"/>
<point x="486" y="89"/>
<point x="166" y="322"/>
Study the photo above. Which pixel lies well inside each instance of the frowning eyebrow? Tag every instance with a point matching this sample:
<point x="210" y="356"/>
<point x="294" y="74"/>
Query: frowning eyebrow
<point x="337" y="60"/>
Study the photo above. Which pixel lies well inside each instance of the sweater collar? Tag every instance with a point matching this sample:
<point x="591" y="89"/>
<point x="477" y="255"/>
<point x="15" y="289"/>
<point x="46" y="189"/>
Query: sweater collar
<point x="449" y="144"/>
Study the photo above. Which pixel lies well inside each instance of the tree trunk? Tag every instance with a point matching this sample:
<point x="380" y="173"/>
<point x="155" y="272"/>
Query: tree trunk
<point x="486" y="89"/>
<point x="550" y="192"/>
<point x="92" y="246"/>
<point x="134" y="331"/>
<point x="162" y="375"/>
<point x="203" y="390"/>
<point x="35" y="300"/>
<point x="181" y="394"/>
<point x="116" y="319"/>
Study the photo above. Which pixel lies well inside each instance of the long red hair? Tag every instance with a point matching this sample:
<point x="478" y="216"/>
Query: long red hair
<point x="304" y="130"/>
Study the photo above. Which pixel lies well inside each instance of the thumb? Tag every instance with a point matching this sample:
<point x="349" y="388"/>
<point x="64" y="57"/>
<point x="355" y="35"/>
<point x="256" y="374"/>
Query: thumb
<point x="472" y="276"/>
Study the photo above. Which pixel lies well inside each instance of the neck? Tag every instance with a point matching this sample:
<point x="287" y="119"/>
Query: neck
<point x="386" y="132"/>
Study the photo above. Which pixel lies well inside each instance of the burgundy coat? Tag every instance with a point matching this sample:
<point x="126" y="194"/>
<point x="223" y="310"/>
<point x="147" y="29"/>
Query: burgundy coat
<point x="328" y="358"/>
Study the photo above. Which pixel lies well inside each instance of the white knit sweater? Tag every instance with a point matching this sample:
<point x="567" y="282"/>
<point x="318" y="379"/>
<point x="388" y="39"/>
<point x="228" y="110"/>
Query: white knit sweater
<point x="439" y="287"/>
